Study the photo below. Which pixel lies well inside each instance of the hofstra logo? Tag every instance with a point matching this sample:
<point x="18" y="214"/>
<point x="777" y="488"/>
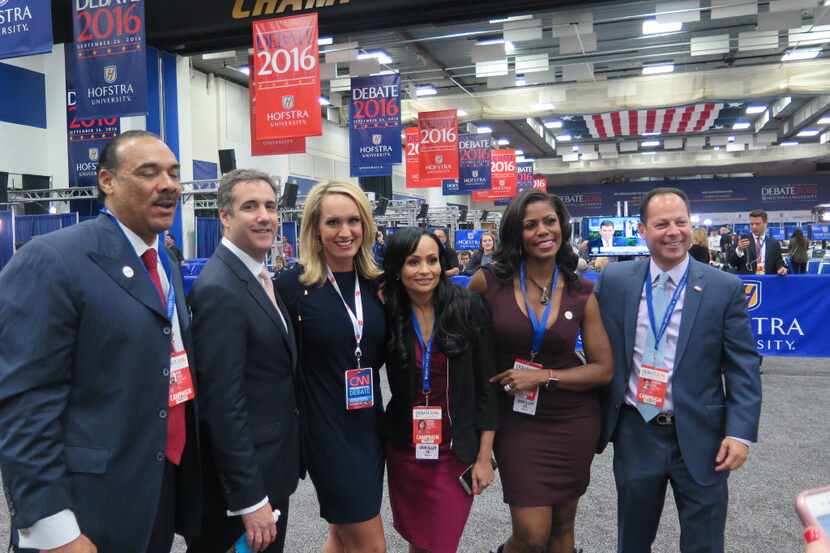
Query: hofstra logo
<point x="243" y="9"/>
<point x="752" y="291"/>
<point x="111" y="74"/>
<point x="93" y="154"/>
<point x="377" y="139"/>
<point x="287" y="102"/>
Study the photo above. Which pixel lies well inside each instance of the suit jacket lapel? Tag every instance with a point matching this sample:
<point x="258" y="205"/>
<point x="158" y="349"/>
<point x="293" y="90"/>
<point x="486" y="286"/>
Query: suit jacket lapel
<point x="117" y="259"/>
<point x="691" y="305"/>
<point x="257" y="293"/>
<point x="633" y="295"/>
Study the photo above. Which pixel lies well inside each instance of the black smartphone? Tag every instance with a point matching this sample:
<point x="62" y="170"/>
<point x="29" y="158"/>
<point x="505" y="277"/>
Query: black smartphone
<point x="466" y="478"/>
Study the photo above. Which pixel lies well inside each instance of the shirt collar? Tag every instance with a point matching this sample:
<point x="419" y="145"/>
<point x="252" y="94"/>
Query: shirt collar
<point x="252" y="264"/>
<point x="138" y="244"/>
<point x="675" y="273"/>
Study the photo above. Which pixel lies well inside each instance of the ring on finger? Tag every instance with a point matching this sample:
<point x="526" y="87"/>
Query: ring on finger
<point x="508" y="387"/>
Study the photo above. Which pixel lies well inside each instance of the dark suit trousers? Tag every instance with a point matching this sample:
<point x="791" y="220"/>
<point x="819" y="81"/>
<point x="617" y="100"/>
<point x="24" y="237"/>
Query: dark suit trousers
<point x="161" y="539"/>
<point x="220" y="531"/>
<point x="646" y="458"/>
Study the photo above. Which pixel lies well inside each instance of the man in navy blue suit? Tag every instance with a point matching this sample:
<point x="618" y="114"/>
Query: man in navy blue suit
<point x="98" y="441"/>
<point x="685" y="400"/>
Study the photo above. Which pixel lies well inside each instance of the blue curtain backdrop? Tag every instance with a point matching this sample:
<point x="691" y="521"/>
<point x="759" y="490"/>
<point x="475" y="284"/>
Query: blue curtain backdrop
<point x="6" y="237"/>
<point x="207" y="236"/>
<point x="27" y="227"/>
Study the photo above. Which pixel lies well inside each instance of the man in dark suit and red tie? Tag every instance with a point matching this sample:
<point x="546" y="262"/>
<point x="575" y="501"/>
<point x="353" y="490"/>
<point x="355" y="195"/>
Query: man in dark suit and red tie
<point x="98" y="441"/>
<point x="246" y="347"/>
<point x="685" y="401"/>
<point x="758" y="253"/>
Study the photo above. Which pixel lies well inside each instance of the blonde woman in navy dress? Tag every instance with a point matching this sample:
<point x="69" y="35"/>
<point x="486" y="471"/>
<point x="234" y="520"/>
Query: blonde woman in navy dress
<point x="549" y="424"/>
<point x="333" y="298"/>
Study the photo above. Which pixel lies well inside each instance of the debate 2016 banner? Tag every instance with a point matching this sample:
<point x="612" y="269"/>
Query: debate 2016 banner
<point x="540" y="182"/>
<point x="412" y="147"/>
<point x="438" y="144"/>
<point x="375" y="125"/>
<point x="474" y="163"/>
<point x="524" y="176"/>
<point x="286" y="77"/>
<point x="272" y="146"/>
<point x="25" y="28"/>
<point x="503" y="177"/>
<point x="110" y="71"/>
<point x="789" y="314"/>
<point x="87" y="138"/>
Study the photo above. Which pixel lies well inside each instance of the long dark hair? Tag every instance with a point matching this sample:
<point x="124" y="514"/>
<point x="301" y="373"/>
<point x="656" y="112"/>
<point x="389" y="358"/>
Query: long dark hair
<point x="453" y="305"/>
<point x="509" y="253"/>
<point x="798" y="238"/>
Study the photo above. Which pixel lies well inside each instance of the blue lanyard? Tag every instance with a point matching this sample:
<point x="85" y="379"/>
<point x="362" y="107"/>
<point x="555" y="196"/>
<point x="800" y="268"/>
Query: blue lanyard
<point x="426" y="358"/>
<point x="658" y="334"/>
<point x="538" y="326"/>
<point x="171" y="293"/>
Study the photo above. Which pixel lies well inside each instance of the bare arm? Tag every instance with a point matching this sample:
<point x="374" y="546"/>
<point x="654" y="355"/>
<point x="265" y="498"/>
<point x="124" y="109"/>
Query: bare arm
<point x="478" y="283"/>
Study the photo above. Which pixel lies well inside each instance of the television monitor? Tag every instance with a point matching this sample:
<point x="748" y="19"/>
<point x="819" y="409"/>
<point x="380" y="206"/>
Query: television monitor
<point x="741" y="229"/>
<point x="789" y="229"/>
<point x="821" y="231"/>
<point x="776" y="231"/>
<point x="614" y="236"/>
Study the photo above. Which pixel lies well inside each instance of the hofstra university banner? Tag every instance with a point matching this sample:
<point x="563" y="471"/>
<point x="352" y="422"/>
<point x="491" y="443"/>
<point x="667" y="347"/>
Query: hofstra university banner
<point x="110" y="73"/>
<point x="438" y="141"/>
<point x="503" y="177"/>
<point x="87" y="137"/>
<point x="25" y="28"/>
<point x="474" y="163"/>
<point x="375" y="125"/>
<point x="413" y="161"/>
<point x="272" y="146"/>
<point x="286" y="77"/>
<point x="789" y="314"/>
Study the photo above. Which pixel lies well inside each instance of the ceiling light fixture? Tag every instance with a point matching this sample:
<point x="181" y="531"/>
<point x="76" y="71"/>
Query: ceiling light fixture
<point x="511" y="18"/>
<point x="244" y="69"/>
<point x="553" y="124"/>
<point x="658" y="69"/>
<point x="731" y="139"/>
<point x="651" y="26"/>
<point x="808" y="133"/>
<point x="575" y="148"/>
<point x="695" y="219"/>
<point x="461" y="113"/>
<point x="789" y="143"/>
<point x="544" y="106"/>
<point x="324" y="101"/>
<point x="648" y="153"/>
<point x="755" y="110"/>
<point x="484" y="130"/>
<point x="802" y="54"/>
<point x="650" y="143"/>
<point x="824" y="120"/>
<point x="381" y="55"/>
<point x="502" y="142"/>
<point x="519" y="153"/>
<point x="564" y="138"/>
<point x="229" y="54"/>
<point x="654" y="133"/>
<point x="525" y="160"/>
<point x="521" y="81"/>
<point x="489" y="41"/>
<point x="426" y="90"/>
<point x="325" y="41"/>
<point x="741" y="126"/>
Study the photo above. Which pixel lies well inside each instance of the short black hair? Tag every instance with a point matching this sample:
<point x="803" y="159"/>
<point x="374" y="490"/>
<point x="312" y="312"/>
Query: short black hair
<point x="606" y="223"/>
<point x="108" y="160"/>
<point x="659" y="192"/>
<point x="759" y="213"/>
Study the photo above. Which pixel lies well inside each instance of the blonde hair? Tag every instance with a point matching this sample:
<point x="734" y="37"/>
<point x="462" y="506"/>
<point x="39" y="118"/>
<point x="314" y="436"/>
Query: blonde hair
<point x="700" y="237"/>
<point x="312" y="256"/>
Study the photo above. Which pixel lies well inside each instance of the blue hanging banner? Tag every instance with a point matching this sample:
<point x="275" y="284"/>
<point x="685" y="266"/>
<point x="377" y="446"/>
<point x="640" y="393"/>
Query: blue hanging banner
<point x="110" y="61"/>
<point x="87" y="138"/>
<point x="375" y="125"/>
<point x="452" y="188"/>
<point x="467" y="240"/>
<point x="789" y="314"/>
<point x="525" y="176"/>
<point x="25" y="28"/>
<point x="474" y="158"/>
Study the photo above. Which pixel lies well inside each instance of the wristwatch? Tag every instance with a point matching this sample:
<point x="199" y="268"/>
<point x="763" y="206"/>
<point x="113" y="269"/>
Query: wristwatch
<point x="553" y="382"/>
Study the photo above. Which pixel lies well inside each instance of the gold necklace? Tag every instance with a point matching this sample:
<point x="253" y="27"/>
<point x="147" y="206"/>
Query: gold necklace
<point x="545" y="291"/>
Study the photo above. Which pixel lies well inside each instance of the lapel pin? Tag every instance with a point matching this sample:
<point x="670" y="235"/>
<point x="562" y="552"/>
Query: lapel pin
<point x="128" y="271"/>
<point x="569" y="315"/>
<point x="697" y="288"/>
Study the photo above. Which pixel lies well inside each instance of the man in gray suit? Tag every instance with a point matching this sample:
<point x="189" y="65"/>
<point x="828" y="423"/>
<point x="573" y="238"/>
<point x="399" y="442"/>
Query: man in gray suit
<point x="685" y="400"/>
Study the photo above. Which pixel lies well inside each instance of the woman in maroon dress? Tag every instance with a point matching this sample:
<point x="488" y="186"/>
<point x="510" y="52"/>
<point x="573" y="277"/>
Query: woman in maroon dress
<point x="443" y="412"/>
<point x="550" y="416"/>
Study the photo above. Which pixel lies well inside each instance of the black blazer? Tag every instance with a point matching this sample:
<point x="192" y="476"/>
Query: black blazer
<point x="84" y="385"/>
<point x="473" y="401"/>
<point x="250" y="413"/>
<point x="773" y="260"/>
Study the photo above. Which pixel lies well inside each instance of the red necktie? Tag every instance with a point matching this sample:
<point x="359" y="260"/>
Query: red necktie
<point x="757" y="248"/>
<point x="176" y="430"/>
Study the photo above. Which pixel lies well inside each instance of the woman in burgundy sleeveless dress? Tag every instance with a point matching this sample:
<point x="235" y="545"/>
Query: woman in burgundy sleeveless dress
<point x="546" y="441"/>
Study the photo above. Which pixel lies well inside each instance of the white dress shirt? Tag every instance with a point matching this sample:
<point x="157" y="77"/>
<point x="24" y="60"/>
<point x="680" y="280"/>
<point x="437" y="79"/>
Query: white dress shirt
<point x="62" y="527"/>
<point x="669" y="346"/>
<point x="761" y="259"/>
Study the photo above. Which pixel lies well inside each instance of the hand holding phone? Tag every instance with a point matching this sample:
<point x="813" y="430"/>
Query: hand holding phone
<point x="813" y="508"/>
<point x="466" y="478"/>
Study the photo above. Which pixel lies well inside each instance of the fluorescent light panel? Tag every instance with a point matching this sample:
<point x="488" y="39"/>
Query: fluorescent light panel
<point x="381" y="55"/>
<point x="824" y="120"/>
<point x="564" y="138"/>
<point x="325" y="41"/>
<point x="651" y="26"/>
<point x="324" y="101"/>
<point x="658" y="69"/>
<point x="484" y="130"/>
<point x="427" y="90"/>
<point x="489" y="41"/>
<point x="807" y="133"/>
<point x="801" y="54"/>
<point x="650" y="143"/>
<point x="754" y="110"/>
<point x="511" y="18"/>
<point x="553" y="124"/>
<point x="502" y="142"/>
<point x="741" y="126"/>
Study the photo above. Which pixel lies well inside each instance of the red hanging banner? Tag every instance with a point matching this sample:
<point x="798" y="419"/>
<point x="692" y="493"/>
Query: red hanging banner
<point x="272" y="146"/>
<point x="286" y="77"/>
<point x="503" y="177"/>
<point x="540" y="182"/>
<point x="413" y="162"/>
<point x="438" y="144"/>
